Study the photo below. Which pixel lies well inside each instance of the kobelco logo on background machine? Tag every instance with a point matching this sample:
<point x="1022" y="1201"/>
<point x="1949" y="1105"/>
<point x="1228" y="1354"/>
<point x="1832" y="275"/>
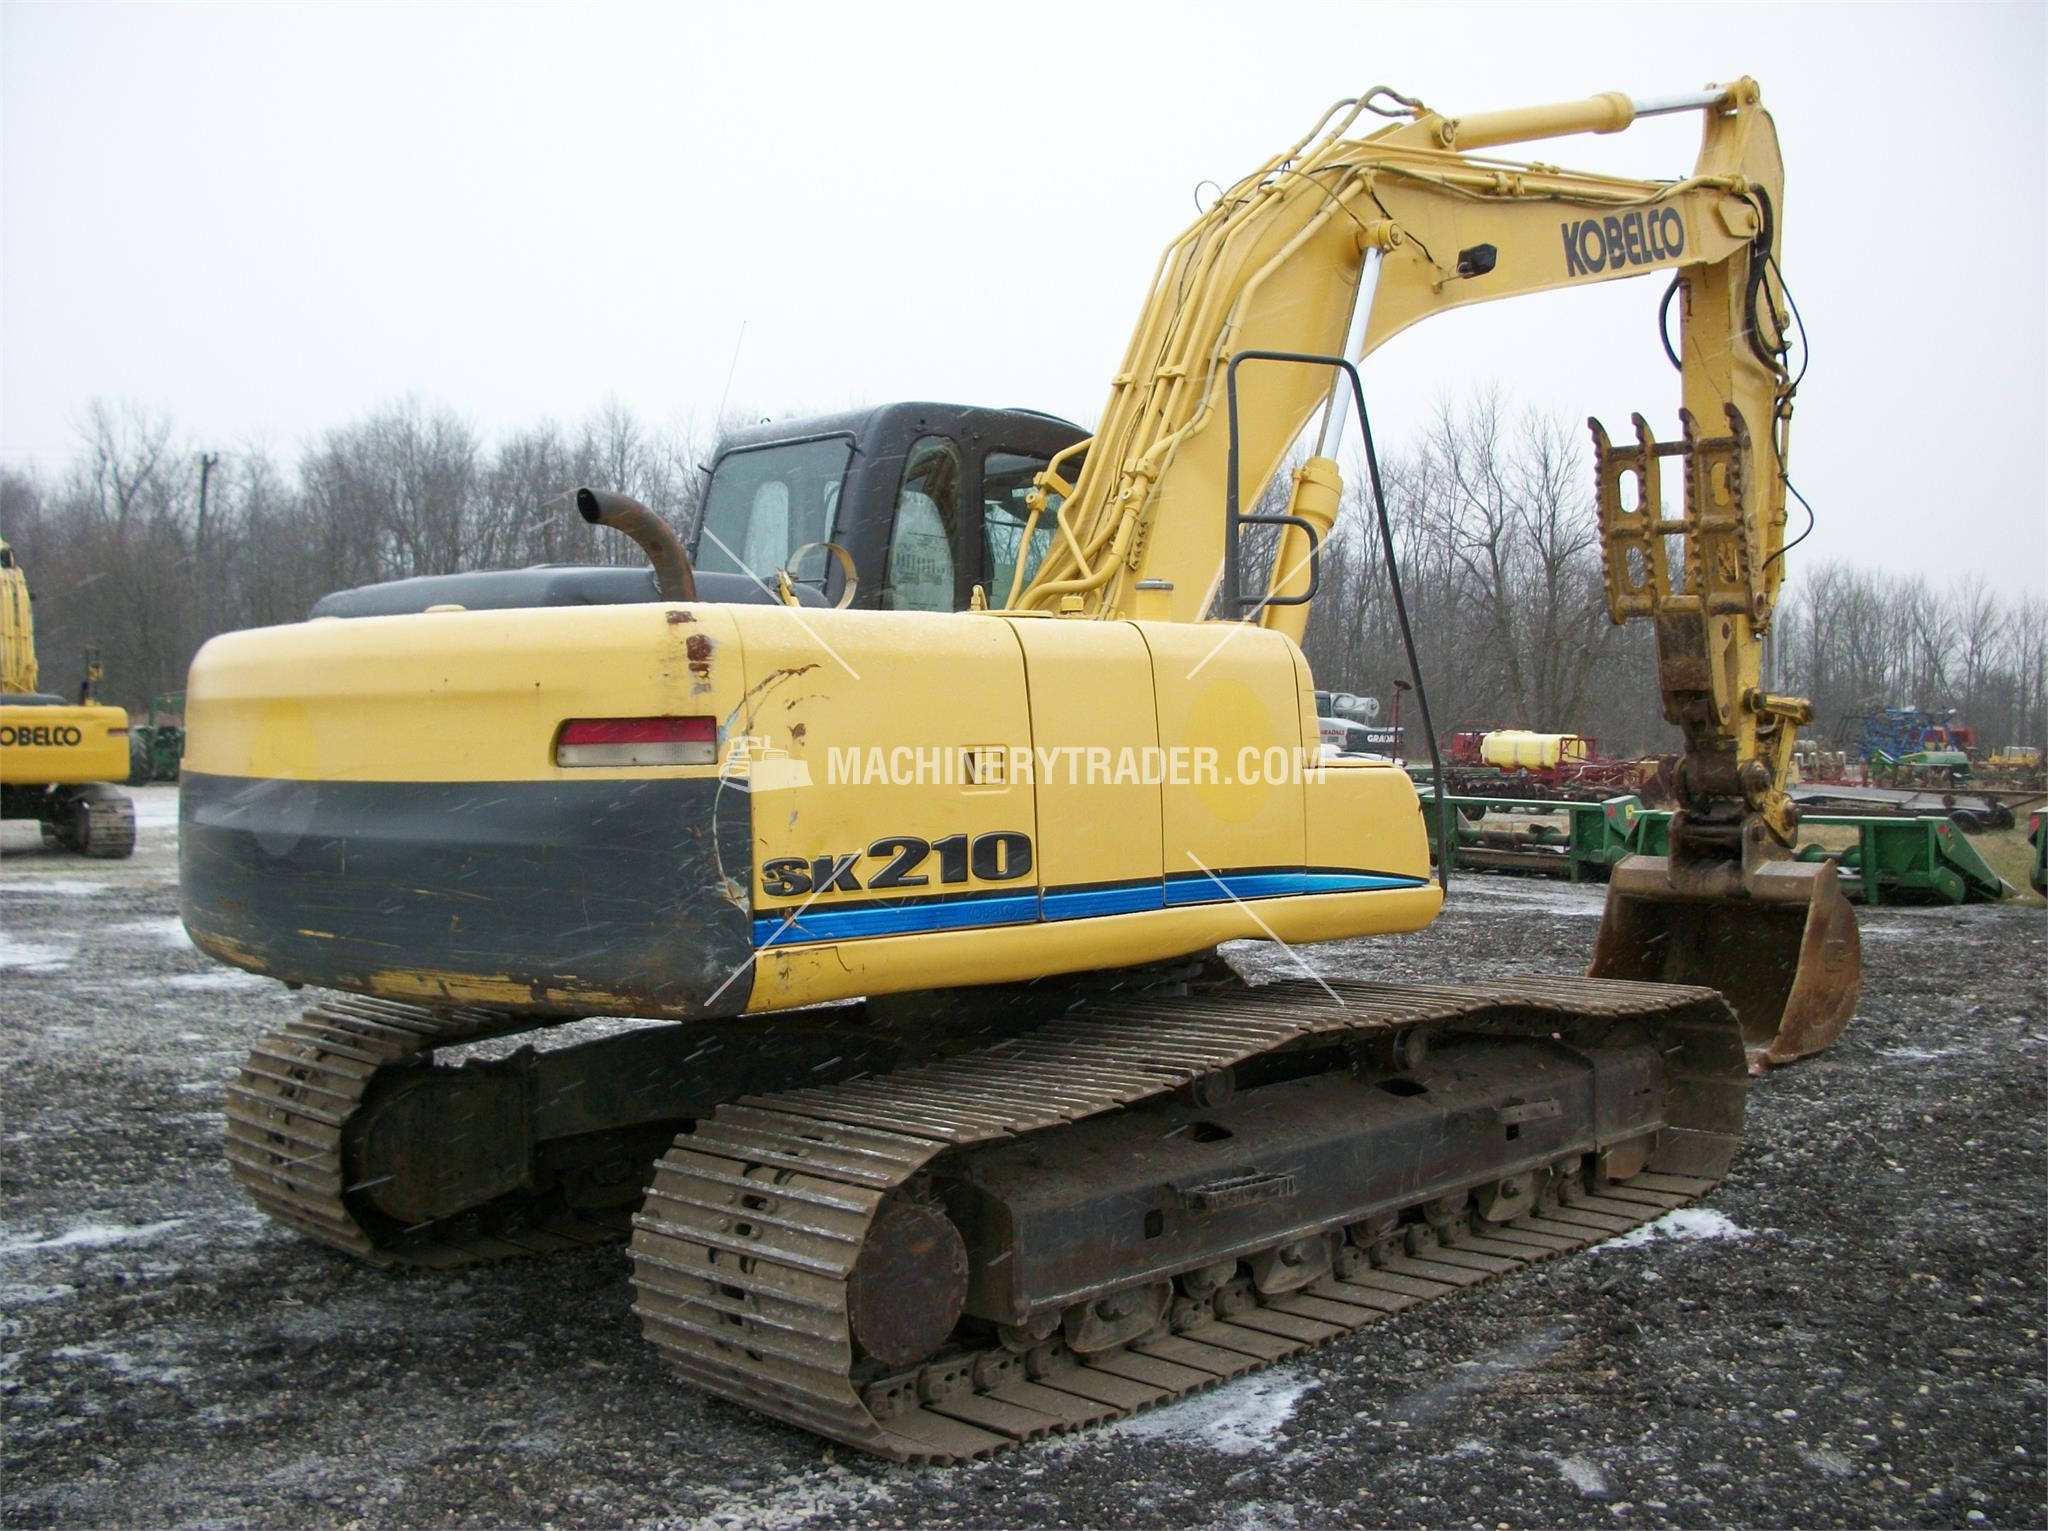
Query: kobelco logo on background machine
<point x="1640" y="238"/>
<point x="42" y="734"/>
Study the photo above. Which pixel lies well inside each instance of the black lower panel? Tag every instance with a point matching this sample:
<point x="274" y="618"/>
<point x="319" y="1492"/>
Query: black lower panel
<point x="601" y="897"/>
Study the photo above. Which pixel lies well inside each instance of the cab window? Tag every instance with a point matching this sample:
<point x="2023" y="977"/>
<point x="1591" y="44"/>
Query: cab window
<point x="765" y="503"/>
<point x="925" y="539"/>
<point x="1005" y="481"/>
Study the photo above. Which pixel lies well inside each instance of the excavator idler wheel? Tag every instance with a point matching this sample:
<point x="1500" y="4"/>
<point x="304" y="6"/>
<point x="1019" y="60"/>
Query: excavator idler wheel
<point x="1235" y="1297"/>
<point x="994" y="1368"/>
<point x="1093" y="1327"/>
<point x="1020" y="1339"/>
<point x="1052" y="1356"/>
<point x="1507" y="1199"/>
<point x="1205" y="1282"/>
<point x="1393" y="1052"/>
<point x="909" y="1288"/>
<point x="1292" y="1266"/>
<point x="1624" y="1161"/>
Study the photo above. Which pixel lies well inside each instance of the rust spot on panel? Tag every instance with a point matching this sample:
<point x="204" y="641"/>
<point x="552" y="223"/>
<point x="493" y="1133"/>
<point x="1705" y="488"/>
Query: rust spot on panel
<point x="796" y="733"/>
<point x="699" y="650"/>
<point x="676" y="617"/>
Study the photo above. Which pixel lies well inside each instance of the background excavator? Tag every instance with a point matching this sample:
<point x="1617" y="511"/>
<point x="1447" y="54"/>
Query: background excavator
<point x="57" y="757"/>
<point x="963" y="1135"/>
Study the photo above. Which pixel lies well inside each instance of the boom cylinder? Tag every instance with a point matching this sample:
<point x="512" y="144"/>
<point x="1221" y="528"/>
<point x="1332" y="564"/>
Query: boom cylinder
<point x="1608" y="112"/>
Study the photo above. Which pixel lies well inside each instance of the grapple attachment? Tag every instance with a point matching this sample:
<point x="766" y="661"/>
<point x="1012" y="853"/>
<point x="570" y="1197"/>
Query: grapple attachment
<point x="1781" y="945"/>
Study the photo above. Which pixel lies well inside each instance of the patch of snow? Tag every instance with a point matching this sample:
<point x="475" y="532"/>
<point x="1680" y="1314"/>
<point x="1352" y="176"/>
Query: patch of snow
<point x="27" y="957"/>
<point x="827" y="1494"/>
<point x="1829" y="1461"/>
<point x="1686" y="1225"/>
<point x="1580" y="902"/>
<point x="126" y="1366"/>
<point x="1477" y="1375"/>
<point x="170" y="931"/>
<point x="155" y="807"/>
<point x="1235" y="1420"/>
<point x="90" y="1236"/>
<point x="20" y="1294"/>
<point x="1582" y="1475"/>
<point x="219" y="978"/>
<point x="50" y="887"/>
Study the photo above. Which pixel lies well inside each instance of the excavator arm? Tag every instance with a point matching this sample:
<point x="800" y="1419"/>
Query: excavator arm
<point x="1341" y="242"/>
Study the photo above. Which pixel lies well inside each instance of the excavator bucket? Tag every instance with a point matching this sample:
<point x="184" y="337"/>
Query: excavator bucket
<point x="1783" y="950"/>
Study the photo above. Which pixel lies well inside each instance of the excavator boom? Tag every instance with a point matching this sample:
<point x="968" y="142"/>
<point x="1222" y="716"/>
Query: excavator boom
<point x="1339" y="243"/>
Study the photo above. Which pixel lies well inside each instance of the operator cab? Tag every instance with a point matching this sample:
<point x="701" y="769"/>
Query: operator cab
<point x="926" y="500"/>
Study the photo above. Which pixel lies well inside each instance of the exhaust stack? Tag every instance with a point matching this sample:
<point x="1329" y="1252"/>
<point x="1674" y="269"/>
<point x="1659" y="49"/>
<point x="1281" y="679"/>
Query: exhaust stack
<point x="672" y="573"/>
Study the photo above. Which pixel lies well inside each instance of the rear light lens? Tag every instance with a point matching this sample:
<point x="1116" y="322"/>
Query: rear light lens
<point x="637" y="742"/>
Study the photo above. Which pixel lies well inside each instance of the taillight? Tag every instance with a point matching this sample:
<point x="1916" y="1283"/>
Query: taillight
<point x="637" y="742"/>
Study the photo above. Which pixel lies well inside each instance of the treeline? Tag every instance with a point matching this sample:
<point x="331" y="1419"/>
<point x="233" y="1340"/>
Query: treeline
<point x="1498" y="546"/>
<point x="1492" y="516"/>
<point x="1856" y="642"/>
<point x="1499" y="557"/>
<point x="123" y="553"/>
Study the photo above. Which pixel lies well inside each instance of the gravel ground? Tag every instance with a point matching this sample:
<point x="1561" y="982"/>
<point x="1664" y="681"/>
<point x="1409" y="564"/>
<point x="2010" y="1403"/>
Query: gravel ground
<point x="1849" y="1332"/>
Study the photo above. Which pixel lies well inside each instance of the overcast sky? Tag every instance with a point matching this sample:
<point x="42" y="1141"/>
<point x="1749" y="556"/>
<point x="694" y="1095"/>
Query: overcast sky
<point x="267" y="221"/>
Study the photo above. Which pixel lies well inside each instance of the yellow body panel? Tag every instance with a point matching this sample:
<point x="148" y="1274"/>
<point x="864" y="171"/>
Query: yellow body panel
<point x="62" y="746"/>
<point x="930" y="800"/>
<point x="1229" y="693"/>
<point x="448" y="696"/>
<point x="886" y="720"/>
<point x="1092" y="714"/>
<point x="1020" y="953"/>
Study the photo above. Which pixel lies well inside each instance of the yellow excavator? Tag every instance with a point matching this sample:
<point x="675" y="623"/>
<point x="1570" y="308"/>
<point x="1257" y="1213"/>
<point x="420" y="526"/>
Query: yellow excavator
<point x="57" y="758"/>
<point x="952" y="1131"/>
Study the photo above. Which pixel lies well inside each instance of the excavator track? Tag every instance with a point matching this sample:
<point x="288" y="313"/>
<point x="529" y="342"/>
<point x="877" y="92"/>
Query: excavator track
<point x="748" y="1252"/>
<point x="108" y="826"/>
<point x="288" y="1121"/>
<point x="93" y="820"/>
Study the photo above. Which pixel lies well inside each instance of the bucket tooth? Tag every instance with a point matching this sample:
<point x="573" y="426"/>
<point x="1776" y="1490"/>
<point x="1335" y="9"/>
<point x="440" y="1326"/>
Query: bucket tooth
<point x="1781" y="945"/>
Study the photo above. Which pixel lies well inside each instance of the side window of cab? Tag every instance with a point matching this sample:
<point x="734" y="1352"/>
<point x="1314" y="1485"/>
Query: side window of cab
<point x="924" y="542"/>
<point x="1005" y="481"/>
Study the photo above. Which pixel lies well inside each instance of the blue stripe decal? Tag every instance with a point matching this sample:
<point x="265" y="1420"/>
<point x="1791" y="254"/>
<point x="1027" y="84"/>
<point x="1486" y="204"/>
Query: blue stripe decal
<point x="919" y="916"/>
<point x="895" y="919"/>
<point x="1084" y="903"/>
<point x="1201" y="888"/>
